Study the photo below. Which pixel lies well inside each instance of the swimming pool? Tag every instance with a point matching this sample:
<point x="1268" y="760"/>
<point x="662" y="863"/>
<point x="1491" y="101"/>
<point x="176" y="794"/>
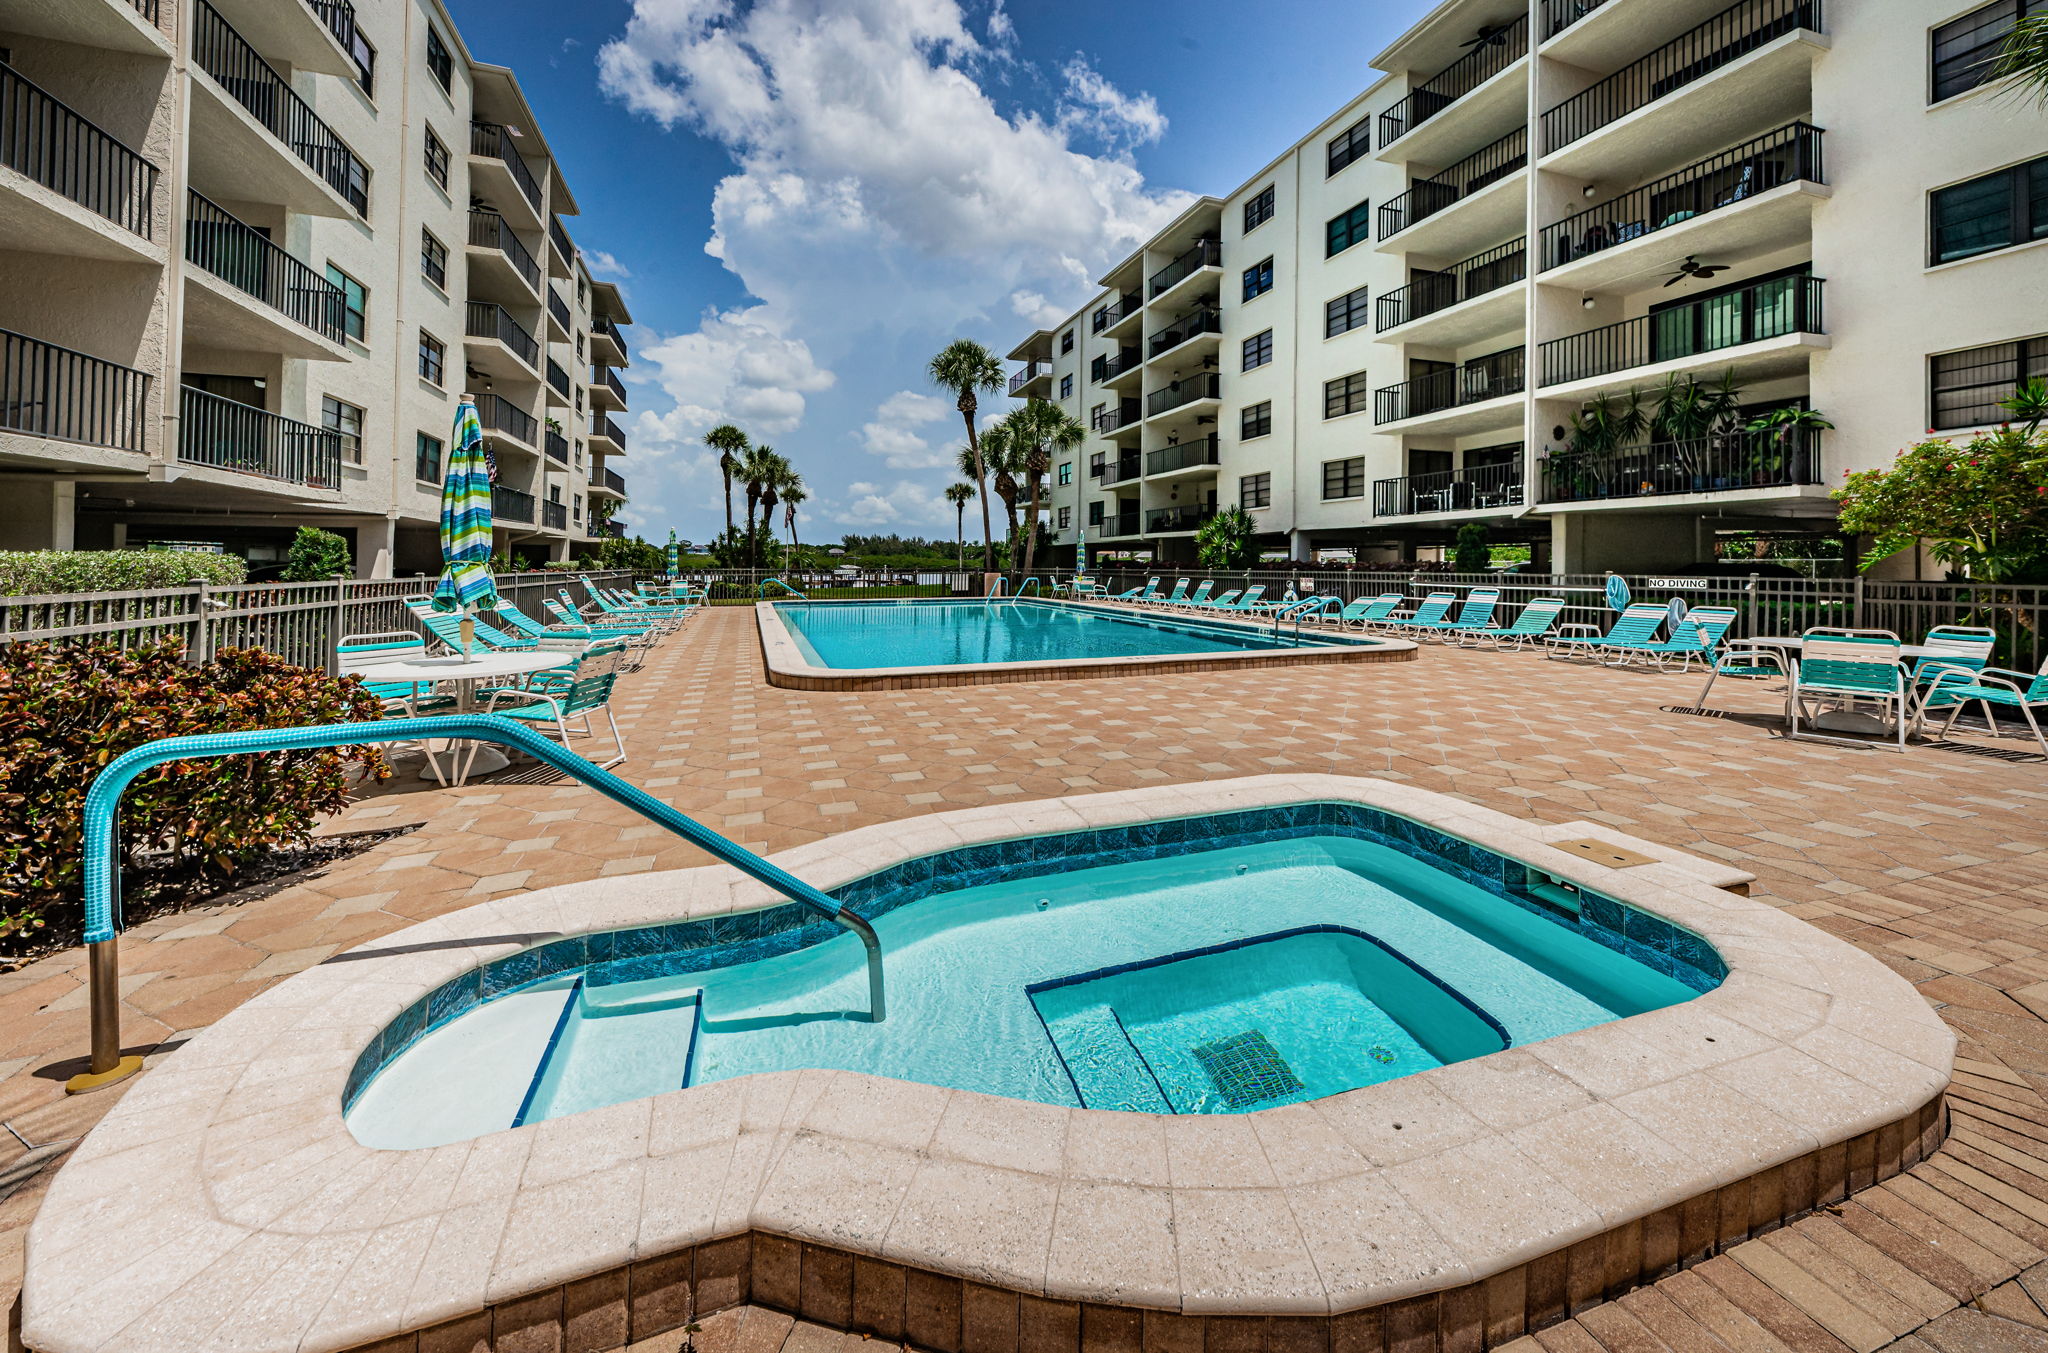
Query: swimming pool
<point x="1218" y="964"/>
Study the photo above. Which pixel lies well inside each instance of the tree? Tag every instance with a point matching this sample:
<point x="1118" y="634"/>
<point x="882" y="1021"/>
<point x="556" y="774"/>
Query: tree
<point x="1976" y="507"/>
<point x="316" y="556"/>
<point x="1003" y="458"/>
<point x="1040" y="431"/>
<point x="966" y="369"/>
<point x="781" y="474"/>
<point x="2022" y="63"/>
<point x="1471" y="554"/>
<point x="2029" y="403"/>
<point x="1228" y="540"/>
<point x="730" y="444"/>
<point x="960" y="494"/>
<point x="757" y="469"/>
<point x="794" y="495"/>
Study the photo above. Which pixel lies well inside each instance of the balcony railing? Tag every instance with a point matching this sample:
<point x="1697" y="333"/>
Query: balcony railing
<point x="489" y="230"/>
<point x="251" y="81"/>
<point x="1483" y="378"/>
<point x="1735" y="460"/>
<point x="1472" y="489"/>
<point x="1205" y="254"/>
<point x="1162" y="520"/>
<point x="230" y="436"/>
<point x="245" y="259"/>
<point x="484" y="320"/>
<point x="1107" y="368"/>
<point x="560" y="236"/>
<point x="43" y="140"/>
<point x="1118" y="524"/>
<point x="556" y="445"/>
<point x="601" y="326"/>
<point x="54" y="392"/>
<point x="338" y="16"/>
<point x="1191" y="325"/>
<point x="148" y="9"/>
<point x="1201" y="451"/>
<point x="495" y="142"/>
<point x="1427" y="197"/>
<point x="1733" y="33"/>
<point x="554" y="516"/>
<point x="1559" y="15"/>
<point x="511" y="504"/>
<point x="1751" y="314"/>
<point x="608" y="479"/>
<point x="1117" y="311"/>
<point x="1790" y="154"/>
<point x="600" y="426"/>
<point x="1204" y="386"/>
<point x="1122" y="416"/>
<point x="608" y="377"/>
<point x="558" y="379"/>
<point x="1028" y="373"/>
<point x="1499" y="50"/>
<point x="499" y="414"/>
<point x="1126" y="467"/>
<point x="558" y="309"/>
<point x="1500" y="266"/>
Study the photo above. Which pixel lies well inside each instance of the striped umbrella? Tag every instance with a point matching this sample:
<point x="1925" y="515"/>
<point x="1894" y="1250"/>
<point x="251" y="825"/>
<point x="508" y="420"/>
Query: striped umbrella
<point x="466" y="583"/>
<point x="675" y="555"/>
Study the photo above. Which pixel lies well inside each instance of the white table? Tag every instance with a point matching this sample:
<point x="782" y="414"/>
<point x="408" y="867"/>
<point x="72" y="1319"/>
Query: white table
<point x="464" y="674"/>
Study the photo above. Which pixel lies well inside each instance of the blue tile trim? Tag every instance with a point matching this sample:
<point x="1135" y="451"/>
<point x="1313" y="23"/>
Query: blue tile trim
<point x="540" y="1068"/>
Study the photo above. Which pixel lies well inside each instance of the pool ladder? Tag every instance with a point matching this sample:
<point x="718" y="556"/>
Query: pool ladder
<point x="784" y="586"/>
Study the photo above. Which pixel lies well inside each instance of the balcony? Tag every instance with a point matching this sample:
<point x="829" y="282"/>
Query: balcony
<point x="1033" y="380"/>
<point x="296" y="311"/>
<point x="1745" y="174"/>
<point x="1166" y="521"/>
<point x="56" y="393"/>
<point x="494" y="324"/>
<point x="1112" y="317"/>
<point x="512" y="504"/>
<point x="607" y="344"/>
<point x="1480" y="488"/>
<point x="558" y="318"/>
<point x="502" y="417"/>
<point x="1183" y="458"/>
<point x="1118" y="524"/>
<point x="1440" y="394"/>
<point x="1782" y="308"/>
<point x="1125" y="417"/>
<point x="1481" y="169"/>
<point x="221" y="434"/>
<point x="313" y="36"/>
<point x="556" y="446"/>
<point x="1116" y="371"/>
<point x="226" y="149"/>
<point x="498" y="157"/>
<point x="603" y="430"/>
<point x="504" y="262"/>
<point x="1196" y="324"/>
<point x="1434" y="292"/>
<point x="559" y="237"/>
<point x="554" y="516"/>
<point x="1180" y="394"/>
<point x="1734" y="462"/>
<point x="1205" y="254"/>
<point x="1496" y="53"/>
<point x="607" y="481"/>
<point x="606" y="389"/>
<point x="1127" y="466"/>
<point x="45" y="141"/>
<point x="558" y="383"/>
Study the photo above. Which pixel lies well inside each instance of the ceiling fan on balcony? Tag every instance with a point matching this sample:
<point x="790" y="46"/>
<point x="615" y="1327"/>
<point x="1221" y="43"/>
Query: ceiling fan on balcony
<point x="1692" y="267"/>
<point x="1489" y="34"/>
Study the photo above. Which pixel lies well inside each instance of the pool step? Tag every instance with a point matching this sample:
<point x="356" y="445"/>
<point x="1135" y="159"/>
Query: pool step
<point x="1106" y="1068"/>
<point x="611" y="1046"/>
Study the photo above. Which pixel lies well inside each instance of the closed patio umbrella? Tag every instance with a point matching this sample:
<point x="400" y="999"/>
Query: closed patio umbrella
<point x="466" y="583"/>
<point x="1617" y="592"/>
<point x="675" y="554"/>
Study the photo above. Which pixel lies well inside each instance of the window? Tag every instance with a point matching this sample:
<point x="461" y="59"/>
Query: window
<point x="433" y="358"/>
<point x="1258" y="279"/>
<point x="1099" y="321"/>
<point x="1344" y="478"/>
<point x="357" y="190"/>
<point x="355" y="302"/>
<point x="1255" y="420"/>
<point x="1344" y="395"/>
<point x="1258" y="350"/>
<point x="1066" y="342"/>
<point x="1067" y="386"/>
<point x="437" y="160"/>
<point x="576" y="508"/>
<point x="1095" y="513"/>
<point x="1066" y="472"/>
<point x="1343" y="231"/>
<point x="1255" y="490"/>
<point x="1964" y="387"/>
<point x="1964" y="49"/>
<point x="1344" y="314"/>
<point x="1095" y="421"/>
<point x="438" y="60"/>
<point x="1098" y="369"/>
<point x="426" y="458"/>
<point x="1350" y="145"/>
<point x="1066" y="517"/>
<point x="1259" y="210"/>
<point x="365" y="57"/>
<point x="433" y="259"/>
<point x="1996" y="211"/>
<point x="346" y="419"/>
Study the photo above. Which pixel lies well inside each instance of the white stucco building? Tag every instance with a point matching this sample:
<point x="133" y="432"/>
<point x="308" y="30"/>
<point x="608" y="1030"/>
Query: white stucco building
<point x="251" y="254"/>
<point x="1386" y="332"/>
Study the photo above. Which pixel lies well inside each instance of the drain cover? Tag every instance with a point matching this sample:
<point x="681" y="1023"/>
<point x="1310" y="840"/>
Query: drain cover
<point x="1600" y="852"/>
<point x="1245" y="1069"/>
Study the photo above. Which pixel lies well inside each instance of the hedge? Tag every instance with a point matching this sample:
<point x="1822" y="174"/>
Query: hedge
<point x="43" y="572"/>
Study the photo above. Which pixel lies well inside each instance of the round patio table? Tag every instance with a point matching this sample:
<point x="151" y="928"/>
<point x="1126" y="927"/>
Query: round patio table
<point x="464" y="674"/>
<point x="1837" y="720"/>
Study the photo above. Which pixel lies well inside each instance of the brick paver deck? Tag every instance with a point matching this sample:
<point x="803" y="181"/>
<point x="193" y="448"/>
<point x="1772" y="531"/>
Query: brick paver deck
<point x="1936" y="861"/>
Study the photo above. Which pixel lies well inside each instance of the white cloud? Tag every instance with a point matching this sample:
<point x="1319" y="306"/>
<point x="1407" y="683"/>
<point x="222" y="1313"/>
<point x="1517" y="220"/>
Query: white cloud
<point x="606" y="266"/>
<point x="737" y="367"/>
<point x="893" y="432"/>
<point x="907" y="506"/>
<point x="1094" y="106"/>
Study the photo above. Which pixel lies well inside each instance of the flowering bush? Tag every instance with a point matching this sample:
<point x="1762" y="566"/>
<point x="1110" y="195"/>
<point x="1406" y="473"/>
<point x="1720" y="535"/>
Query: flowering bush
<point x="1978" y="507"/>
<point x="66" y="710"/>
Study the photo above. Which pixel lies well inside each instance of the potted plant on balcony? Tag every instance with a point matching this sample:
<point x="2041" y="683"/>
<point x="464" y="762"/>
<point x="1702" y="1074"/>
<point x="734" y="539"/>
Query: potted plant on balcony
<point x="1697" y="422"/>
<point x="1783" y="451"/>
<point x="1596" y="436"/>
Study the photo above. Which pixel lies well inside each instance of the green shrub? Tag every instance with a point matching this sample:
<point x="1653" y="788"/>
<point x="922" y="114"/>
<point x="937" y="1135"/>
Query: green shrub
<point x="66" y="710"/>
<point x="316" y="556"/>
<point x="1471" y="554"/>
<point x="43" y="572"/>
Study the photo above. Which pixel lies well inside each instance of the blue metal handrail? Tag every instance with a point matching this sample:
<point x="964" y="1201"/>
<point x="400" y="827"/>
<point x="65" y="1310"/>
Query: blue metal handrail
<point x="1031" y="583"/>
<point x="999" y="587"/>
<point x="102" y="852"/>
<point x="784" y="586"/>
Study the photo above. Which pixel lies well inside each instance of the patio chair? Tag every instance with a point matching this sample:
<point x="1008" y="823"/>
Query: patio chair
<point x="577" y="691"/>
<point x="1696" y="636"/>
<point x="1173" y="598"/>
<point x="1532" y="625"/>
<point x="1361" y="612"/>
<point x="447" y="627"/>
<point x="363" y="654"/>
<point x="1139" y="593"/>
<point x="1197" y="598"/>
<point x="1247" y="601"/>
<point x="1634" y="631"/>
<point x="1993" y="687"/>
<point x="1476" y="614"/>
<point x="1221" y="601"/>
<point x="668" y="621"/>
<point x="1849" y="667"/>
<point x="638" y="636"/>
<point x="1746" y="660"/>
<point x="1433" y="609"/>
<point x="1956" y="648"/>
<point x="617" y="603"/>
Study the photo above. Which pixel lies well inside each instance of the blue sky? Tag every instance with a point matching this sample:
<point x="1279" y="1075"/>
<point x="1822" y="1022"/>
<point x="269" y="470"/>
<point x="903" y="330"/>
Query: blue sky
<point x="804" y="199"/>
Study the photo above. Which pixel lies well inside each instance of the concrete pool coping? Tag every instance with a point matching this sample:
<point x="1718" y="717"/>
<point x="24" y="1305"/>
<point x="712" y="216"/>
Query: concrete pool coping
<point x="788" y="665"/>
<point x="224" y="1203"/>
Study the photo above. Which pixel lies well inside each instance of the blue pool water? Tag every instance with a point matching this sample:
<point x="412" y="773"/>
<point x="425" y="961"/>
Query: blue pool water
<point x="1218" y="981"/>
<point x="849" y="634"/>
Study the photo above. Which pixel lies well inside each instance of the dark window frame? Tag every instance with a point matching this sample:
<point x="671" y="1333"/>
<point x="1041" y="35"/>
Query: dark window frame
<point x="1257" y="351"/>
<point x="1994" y="378"/>
<point x="433" y="360"/>
<point x="1067" y="386"/>
<point x="1348" y="147"/>
<point x="437" y="160"/>
<point x="1066" y="518"/>
<point x="1343" y="314"/>
<point x="433" y="259"/>
<point x="1066" y="473"/>
<point x="1351" y="226"/>
<point x="1066" y="342"/>
<point x="2026" y="209"/>
<point x="422" y="470"/>
<point x="355" y="304"/>
<point x="1346" y="395"/>
<point x="1255" y="490"/>
<point x="1969" y="67"/>
<point x="440" y="61"/>
<point x="1258" y="279"/>
<point x="335" y="416"/>
<point x="1348" y="477"/>
<point x="1258" y="209"/>
<point x="1255" y="421"/>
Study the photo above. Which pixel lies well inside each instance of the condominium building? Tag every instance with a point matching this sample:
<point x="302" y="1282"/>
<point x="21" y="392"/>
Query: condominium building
<point x="253" y="252"/>
<point x="1448" y="302"/>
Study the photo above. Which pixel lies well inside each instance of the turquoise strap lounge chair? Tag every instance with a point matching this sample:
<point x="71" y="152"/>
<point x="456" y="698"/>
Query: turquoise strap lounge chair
<point x="1956" y="649"/>
<point x="1433" y="609"/>
<point x="1995" y="688"/>
<point x="609" y="613"/>
<point x="578" y="691"/>
<point x="1746" y="660"/>
<point x="1246" y="601"/>
<point x="1532" y="625"/>
<point x="1138" y="593"/>
<point x="1634" y="631"/>
<point x="1850" y="667"/>
<point x="1366" y="612"/>
<point x="518" y="621"/>
<point x="1178" y="595"/>
<point x="447" y="627"/>
<point x="362" y="654"/>
<point x="1697" y="635"/>
<point x="1197" y="598"/>
<point x="1475" y="614"/>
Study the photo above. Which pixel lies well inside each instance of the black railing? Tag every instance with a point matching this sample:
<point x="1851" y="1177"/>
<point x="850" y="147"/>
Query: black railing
<point x="1122" y="416"/>
<point x="558" y="379"/>
<point x="495" y="142"/>
<point x="1482" y="378"/>
<point x="1117" y="311"/>
<point x="499" y="414"/>
<point x="245" y="259"/>
<point x="251" y="81"/>
<point x="1127" y="466"/>
<point x="1119" y="524"/>
<point x="1203" y="386"/>
<point x="1108" y="368"/>
<point x="338" y="16"/>
<point x="1733" y="33"/>
<point x="511" y="504"/>
<point x="601" y="326"/>
<point x="148" y="9"/>
<point x="54" y="392"/>
<point x="1427" y="197"/>
<point x="601" y="426"/>
<point x="1205" y="254"/>
<point x="43" y="140"/>
<point x="1559" y="15"/>
<point x="227" y="435"/>
<point x="1028" y="373"/>
<point x="1499" y="50"/>
<point x="558" y="310"/>
<point x="1183" y="455"/>
<point x="1787" y="155"/>
<point x="1734" y="460"/>
<point x="489" y="230"/>
<point x="485" y="320"/>
<point x="1161" y="520"/>
<point x="1475" y="488"/>
<point x="1179" y="331"/>
<point x="560" y="236"/>
<point x="1503" y="265"/>
<point x="556" y="445"/>
<point x="1751" y="314"/>
<point x="608" y="377"/>
<point x="601" y="478"/>
<point x="554" y="516"/>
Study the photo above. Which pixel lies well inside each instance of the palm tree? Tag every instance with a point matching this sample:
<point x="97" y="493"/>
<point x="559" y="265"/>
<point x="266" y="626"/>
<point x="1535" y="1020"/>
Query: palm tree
<point x="794" y="495"/>
<point x="1003" y="455"/>
<point x="959" y="493"/>
<point x="967" y="369"/>
<point x="730" y="444"/>
<point x="757" y="469"/>
<point x="2022" y="63"/>
<point x="1042" y="430"/>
